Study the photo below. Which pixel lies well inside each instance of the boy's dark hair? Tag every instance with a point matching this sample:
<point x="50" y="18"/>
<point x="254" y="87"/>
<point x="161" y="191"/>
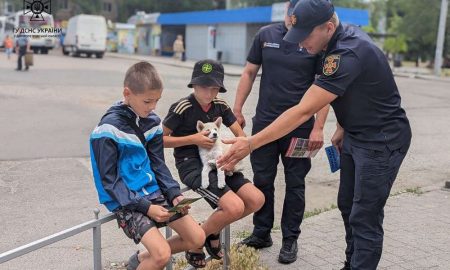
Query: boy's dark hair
<point x="142" y="76"/>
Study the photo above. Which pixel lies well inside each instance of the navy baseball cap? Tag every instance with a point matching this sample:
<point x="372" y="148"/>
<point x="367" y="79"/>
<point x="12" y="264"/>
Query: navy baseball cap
<point x="308" y="14"/>
<point x="292" y="4"/>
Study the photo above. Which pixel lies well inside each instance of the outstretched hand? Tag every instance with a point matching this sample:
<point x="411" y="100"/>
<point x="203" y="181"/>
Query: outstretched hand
<point x="239" y="149"/>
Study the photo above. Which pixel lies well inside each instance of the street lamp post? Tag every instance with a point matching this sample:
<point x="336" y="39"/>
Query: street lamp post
<point x="440" y="38"/>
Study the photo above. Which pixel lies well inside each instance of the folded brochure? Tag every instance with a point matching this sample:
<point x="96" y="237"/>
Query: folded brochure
<point x="299" y="149"/>
<point x="183" y="203"/>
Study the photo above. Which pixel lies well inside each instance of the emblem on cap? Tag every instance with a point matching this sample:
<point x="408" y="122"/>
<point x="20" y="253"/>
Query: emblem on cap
<point x="293" y="19"/>
<point x="207" y="68"/>
<point x="331" y="64"/>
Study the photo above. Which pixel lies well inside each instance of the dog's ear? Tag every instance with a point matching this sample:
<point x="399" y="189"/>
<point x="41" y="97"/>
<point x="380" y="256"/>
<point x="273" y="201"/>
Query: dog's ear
<point x="200" y="125"/>
<point x="218" y="122"/>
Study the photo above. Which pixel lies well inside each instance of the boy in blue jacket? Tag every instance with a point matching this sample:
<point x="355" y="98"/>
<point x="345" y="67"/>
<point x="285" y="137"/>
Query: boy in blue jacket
<point x="131" y="177"/>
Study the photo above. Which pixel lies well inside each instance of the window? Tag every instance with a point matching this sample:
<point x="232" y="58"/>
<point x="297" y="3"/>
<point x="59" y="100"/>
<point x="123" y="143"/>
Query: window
<point x="107" y="6"/>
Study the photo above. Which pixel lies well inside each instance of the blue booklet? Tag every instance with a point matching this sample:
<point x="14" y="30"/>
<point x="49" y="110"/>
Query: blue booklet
<point x="333" y="158"/>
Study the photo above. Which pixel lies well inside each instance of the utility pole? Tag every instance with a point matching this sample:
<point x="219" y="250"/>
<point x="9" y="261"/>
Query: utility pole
<point x="440" y="38"/>
<point x="228" y="4"/>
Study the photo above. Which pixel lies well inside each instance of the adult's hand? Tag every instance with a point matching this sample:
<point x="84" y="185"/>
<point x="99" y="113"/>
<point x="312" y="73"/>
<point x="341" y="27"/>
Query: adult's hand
<point x="240" y="118"/>
<point x="315" y="139"/>
<point x="239" y="149"/>
<point x="338" y="138"/>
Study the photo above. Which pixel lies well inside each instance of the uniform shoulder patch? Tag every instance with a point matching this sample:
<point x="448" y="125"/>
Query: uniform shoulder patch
<point x="331" y="64"/>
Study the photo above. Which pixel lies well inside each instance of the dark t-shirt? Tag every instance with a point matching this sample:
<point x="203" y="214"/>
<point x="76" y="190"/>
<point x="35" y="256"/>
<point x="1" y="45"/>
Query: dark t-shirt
<point x="368" y="104"/>
<point x="182" y="120"/>
<point x="287" y="72"/>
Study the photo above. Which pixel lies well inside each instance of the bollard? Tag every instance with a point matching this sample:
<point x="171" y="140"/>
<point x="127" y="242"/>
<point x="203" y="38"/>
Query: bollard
<point x="226" y="247"/>
<point x="97" y="242"/>
<point x="169" y="265"/>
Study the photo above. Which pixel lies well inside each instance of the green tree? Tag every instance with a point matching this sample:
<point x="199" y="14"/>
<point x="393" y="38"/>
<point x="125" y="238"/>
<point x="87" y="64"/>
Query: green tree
<point x="418" y="23"/>
<point x="398" y="43"/>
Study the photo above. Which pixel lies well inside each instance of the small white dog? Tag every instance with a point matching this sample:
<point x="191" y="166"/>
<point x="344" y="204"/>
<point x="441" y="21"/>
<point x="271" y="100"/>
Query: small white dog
<point x="209" y="156"/>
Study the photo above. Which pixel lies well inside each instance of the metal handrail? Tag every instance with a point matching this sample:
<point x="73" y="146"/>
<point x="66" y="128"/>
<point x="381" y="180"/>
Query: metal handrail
<point x="95" y="225"/>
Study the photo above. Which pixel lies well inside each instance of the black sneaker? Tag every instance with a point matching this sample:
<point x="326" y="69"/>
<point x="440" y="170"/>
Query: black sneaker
<point x="288" y="252"/>
<point x="346" y="266"/>
<point x="256" y="242"/>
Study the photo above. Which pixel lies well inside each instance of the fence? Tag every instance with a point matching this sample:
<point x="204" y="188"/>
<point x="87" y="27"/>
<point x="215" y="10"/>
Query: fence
<point x="95" y="225"/>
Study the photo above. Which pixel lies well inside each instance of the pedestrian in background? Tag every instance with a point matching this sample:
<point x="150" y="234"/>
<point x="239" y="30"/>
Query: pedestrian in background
<point x="22" y="47"/>
<point x="9" y="44"/>
<point x="178" y="47"/>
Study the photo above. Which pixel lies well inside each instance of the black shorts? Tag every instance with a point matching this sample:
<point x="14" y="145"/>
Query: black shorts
<point x="135" y="224"/>
<point x="190" y="172"/>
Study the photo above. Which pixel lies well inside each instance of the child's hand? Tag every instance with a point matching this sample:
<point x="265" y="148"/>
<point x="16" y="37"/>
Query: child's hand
<point x="201" y="139"/>
<point x="185" y="209"/>
<point x="158" y="213"/>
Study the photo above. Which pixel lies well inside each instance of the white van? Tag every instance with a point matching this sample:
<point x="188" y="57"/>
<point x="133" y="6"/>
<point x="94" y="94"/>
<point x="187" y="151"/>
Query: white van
<point x="86" y="34"/>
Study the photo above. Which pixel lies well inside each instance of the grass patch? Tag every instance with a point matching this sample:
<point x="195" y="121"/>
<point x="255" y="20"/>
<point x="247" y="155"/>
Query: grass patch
<point x="417" y="191"/>
<point x="241" y="258"/>
<point x="276" y="228"/>
<point x="316" y="211"/>
<point x="242" y="234"/>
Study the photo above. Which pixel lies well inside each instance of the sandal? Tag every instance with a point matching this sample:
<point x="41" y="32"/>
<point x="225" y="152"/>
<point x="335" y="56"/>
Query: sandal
<point x="195" y="259"/>
<point x="213" y="251"/>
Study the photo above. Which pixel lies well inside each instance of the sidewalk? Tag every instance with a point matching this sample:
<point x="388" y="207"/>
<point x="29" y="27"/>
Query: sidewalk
<point x="417" y="236"/>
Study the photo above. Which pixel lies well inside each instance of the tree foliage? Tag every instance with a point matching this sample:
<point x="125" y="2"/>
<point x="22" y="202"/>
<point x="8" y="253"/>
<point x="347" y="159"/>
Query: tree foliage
<point x="417" y="21"/>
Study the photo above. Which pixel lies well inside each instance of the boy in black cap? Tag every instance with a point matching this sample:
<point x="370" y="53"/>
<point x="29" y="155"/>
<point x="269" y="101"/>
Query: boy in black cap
<point x="239" y="197"/>
<point x="373" y="133"/>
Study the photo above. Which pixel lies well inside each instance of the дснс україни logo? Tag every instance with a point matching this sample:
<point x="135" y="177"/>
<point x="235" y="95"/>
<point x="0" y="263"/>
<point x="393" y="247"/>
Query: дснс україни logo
<point x="37" y="7"/>
<point x="36" y="20"/>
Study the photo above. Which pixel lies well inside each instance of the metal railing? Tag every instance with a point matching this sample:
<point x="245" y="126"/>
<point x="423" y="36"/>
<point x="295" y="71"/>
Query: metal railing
<point x="95" y="225"/>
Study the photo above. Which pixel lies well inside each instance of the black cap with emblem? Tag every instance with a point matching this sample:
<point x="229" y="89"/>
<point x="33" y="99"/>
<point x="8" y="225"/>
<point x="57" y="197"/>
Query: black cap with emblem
<point x="308" y="14"/>
<point x="208" y="73"/>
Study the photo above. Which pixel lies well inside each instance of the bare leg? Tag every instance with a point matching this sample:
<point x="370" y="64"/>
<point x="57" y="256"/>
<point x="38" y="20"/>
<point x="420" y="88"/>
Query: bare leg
<point x="252" y="197"/>
<point x="158" y="251"/>
<point x="190" y="235"/>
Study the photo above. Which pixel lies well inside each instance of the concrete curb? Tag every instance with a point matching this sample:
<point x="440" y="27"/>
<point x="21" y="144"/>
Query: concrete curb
<point x="421" y="77"/>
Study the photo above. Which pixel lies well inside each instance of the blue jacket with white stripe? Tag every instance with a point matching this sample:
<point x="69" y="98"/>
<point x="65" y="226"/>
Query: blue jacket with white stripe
<point x="124" y="171"/>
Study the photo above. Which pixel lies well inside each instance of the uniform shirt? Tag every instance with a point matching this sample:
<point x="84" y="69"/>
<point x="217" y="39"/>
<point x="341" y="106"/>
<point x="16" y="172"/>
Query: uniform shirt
<point x="368" y="104"/>
<point x="287" y="72"/>
<point x="182" y="120"/>
<point x="22" y="41"/>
